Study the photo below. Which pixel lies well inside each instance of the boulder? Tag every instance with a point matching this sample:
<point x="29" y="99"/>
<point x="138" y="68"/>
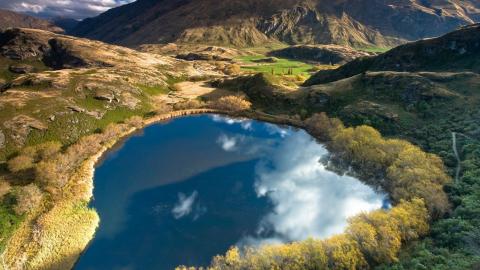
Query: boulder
<point x="2" y="139"/>
<point x="102" y="94"/>
<point x="21" y="125"/>
<point x="21" y="68"/>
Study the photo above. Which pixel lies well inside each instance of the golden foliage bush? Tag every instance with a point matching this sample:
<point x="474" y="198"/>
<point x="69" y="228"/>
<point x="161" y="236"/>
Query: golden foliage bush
<point x="42" y="151"/>
<point x="232" y="69"/>
<point x="135" y="121"/>
<point x="189" y="104"/>
<point x="20" y="163"/>
<point x="408" y="171"/>
<point x="5" y="188"/>
<point x="370" y="239"/>
<point x="28" y="197"/>
<point x="231" y="103"/>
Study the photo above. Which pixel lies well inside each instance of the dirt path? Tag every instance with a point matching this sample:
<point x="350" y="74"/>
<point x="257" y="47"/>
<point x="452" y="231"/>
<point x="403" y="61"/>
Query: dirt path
<point x="192" y="90"/>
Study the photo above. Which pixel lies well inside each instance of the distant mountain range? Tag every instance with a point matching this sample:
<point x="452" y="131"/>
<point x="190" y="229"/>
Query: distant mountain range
<point x="359" y="23"/>
<point x="13" y="19"/>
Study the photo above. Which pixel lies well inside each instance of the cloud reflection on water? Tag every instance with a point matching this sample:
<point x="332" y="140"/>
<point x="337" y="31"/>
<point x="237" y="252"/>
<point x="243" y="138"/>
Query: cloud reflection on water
<point x="309" y="201"/>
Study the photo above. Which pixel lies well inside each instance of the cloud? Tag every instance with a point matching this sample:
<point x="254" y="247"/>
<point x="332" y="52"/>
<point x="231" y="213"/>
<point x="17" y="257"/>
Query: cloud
<point x="228" y="144"/>
<point x="77" y="9"/>
<point x="308" y="200"/>
<point x="275" y="129"/>
<point x="246" y="124"/>
<point x="184" y="205"/>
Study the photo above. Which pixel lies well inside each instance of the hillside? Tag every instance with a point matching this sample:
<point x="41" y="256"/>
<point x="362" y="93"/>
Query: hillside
<point x="60" y="92"/>
<point x="64" y="100"/>
<point x="456" y="51"/>
<point x="50" y="81"/>
<point x="13" y="19"/>
<point x="322" y="54"/>
<point x="362" y="23"/>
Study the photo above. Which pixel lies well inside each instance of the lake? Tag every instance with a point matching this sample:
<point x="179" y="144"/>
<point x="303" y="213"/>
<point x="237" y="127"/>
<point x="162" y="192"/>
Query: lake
<point x="181" y="192"/>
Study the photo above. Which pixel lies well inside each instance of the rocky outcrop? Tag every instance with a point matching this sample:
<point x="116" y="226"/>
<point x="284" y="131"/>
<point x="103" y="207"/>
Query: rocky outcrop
<point x="253" y="22"/>
<point x="21" y="125"/>
<point x="21" y="68"/>
<point x="55" y="51"/>
<point x="2" y="139"/>
<point x="202" y="57"/>
<point x="10" y="19"/>
<point x="369" y="108"/>
<point x="322" y="54"/>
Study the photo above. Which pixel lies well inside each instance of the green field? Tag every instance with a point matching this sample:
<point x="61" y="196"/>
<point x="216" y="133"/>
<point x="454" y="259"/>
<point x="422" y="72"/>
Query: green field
<point x="373" y="49"/>
<point x="280" y="67"/>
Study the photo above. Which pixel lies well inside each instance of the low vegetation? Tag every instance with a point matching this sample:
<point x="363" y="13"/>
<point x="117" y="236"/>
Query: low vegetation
<point x="231" y="103"/>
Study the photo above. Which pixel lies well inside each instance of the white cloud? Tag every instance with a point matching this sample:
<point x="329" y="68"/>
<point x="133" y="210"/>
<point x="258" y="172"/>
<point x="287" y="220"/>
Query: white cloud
<point x="246" y="124"/>
<point x="308" y="200"/>
<point x="275" y="129"/>
<point x="228" y="144"/>
<point x="77" y="9"/>
<point x="184" y="205"/>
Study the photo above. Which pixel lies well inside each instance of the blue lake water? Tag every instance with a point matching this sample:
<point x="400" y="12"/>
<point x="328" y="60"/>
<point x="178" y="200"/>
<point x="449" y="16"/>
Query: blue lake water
<point x="181" y="192"/>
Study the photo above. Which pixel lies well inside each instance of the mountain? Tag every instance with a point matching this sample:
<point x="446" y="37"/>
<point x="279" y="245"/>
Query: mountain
<point x="251" y="22"/>
<point x="456" y="51"/>
<point x="65" y="23"/>
<point x="13" y="19"/>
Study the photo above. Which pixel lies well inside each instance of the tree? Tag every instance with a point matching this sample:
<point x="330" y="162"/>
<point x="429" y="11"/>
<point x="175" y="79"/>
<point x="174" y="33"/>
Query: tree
<point x="378" y="236"/>
<point x="323" y="127"/>
<point x="48" y="150"/>
<point x="52" y="174"/>
<point x="412" y="219"/>
<point x="344" y="253"/>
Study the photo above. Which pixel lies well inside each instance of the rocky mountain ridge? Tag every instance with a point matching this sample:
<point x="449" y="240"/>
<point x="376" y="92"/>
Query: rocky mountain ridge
<point x="250" y="23"/>
<point x="12" y="19"/>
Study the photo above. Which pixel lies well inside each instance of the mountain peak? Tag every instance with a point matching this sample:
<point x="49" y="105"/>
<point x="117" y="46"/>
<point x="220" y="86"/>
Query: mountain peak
<point x="12" y="19"/>
<point x="251" y="22"/>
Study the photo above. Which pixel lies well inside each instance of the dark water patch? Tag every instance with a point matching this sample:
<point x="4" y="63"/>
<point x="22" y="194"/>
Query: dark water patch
<point x="182" y="192"/>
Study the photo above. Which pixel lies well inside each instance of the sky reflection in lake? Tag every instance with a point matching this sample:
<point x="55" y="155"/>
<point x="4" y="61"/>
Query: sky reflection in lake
<point x="181" y="192"/>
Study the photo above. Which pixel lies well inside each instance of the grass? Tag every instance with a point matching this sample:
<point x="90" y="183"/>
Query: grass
<point x="374" y="49"/>
<point x="154" y="90"/>
<point x="5" y="63"/>
<point x="9" y="221"/>
<point x="281" y="67"/>
<point x="67" y="230"/>
<point x="266" y="48"/>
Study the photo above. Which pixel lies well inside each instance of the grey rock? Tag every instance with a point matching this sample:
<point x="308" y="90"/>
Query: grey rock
<point x="21" y="68"/>
<point x="2" y="140"/>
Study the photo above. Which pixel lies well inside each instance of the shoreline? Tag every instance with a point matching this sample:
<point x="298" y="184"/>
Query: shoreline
<point x="72" y="223"/>
<point x="94" y="160"/>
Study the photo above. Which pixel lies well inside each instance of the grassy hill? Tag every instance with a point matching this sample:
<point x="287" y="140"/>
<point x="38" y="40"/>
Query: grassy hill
<point x="456" y="51"/>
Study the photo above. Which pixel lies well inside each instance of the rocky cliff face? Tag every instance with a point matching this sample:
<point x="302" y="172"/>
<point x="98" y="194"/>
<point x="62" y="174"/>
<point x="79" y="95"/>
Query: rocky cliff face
<point x="253" y="22"/>
<point x="13" y="19"/>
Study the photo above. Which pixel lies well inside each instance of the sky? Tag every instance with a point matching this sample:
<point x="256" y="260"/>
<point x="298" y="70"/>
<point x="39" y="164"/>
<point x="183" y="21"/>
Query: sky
<point x="77" y="9"/>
